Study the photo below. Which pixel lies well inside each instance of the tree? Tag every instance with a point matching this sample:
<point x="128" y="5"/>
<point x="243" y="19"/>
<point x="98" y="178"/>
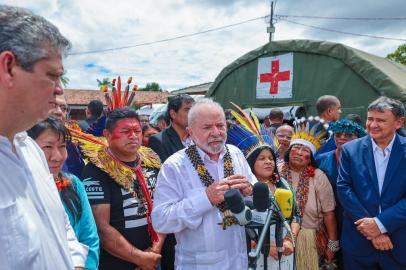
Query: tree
<point x="153" y="86"/>
<point x="103" y="82"/>
<point x="399" y="55"/>
<point x="64" y="81"/>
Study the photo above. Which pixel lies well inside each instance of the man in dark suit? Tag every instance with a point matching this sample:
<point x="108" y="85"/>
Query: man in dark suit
<point x="174" y="137"/>
<point x="166" y="143"/>
<point x="372" y="190"/>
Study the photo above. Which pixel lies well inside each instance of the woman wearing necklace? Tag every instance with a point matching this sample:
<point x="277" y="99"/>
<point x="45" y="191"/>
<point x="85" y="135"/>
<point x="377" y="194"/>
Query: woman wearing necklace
<point x="313" y="193"/>
<point x="52" y="137"/>
<point x="263" y="164"/>
<point x="257" y="147"/>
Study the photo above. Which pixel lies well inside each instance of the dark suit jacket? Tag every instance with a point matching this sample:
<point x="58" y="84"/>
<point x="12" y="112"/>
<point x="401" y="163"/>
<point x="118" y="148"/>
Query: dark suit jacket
<point x="165" y="143"/>
<point x="357" y="189"/>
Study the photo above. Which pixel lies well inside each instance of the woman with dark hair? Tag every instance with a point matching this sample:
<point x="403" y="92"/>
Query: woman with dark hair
<point x="314" y="195"/>
<point x="258" y="150"/>
<point x="52" y="137"/>
<point x="148" y="131"/>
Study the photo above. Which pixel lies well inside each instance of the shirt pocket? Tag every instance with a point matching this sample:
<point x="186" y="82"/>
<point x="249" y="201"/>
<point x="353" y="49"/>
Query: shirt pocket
<point x="18" y="236"/>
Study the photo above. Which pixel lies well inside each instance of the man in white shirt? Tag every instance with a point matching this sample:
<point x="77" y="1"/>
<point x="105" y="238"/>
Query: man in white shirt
<point x="371" y="187"/>
<point x="34" y="228"/>
<point x="189" y="198"/>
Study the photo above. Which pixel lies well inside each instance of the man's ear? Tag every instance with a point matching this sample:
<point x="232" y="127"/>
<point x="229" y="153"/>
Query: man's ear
<point x="172" y="113"/>
<point x="189" y="131"/>
<point x="8" y="61"/>
<point x="400" y="122"/>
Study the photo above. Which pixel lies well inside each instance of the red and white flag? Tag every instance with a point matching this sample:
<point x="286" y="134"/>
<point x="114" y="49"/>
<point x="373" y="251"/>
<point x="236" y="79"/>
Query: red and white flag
<point x="275" y="77"/>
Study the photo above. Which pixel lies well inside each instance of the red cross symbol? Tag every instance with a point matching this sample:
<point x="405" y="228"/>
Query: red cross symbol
<point x="274" y="77"/>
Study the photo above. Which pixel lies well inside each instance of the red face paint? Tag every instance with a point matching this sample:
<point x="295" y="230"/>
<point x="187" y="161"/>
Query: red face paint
<point x="126" y="128"/>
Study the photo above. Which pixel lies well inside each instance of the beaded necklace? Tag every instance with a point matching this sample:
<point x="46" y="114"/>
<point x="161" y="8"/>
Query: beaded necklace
<point x="302" y="189"/>
<point x="207" y="179"/>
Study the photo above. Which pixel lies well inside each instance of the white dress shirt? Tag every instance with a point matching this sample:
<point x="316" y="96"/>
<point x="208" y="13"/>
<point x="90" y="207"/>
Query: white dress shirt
<point x="35" y="232"/>
<point x="181" y="206"/>
<point x="381" y="159"/>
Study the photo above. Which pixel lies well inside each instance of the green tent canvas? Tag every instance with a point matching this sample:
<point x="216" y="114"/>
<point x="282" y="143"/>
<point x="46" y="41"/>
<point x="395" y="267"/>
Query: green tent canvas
<point x="317" y="68"/>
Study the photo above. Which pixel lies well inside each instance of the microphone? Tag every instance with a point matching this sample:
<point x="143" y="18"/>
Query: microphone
<point x="235" y="203"/>
<point x="283" y="205"/>
<point x="260" y="198"/>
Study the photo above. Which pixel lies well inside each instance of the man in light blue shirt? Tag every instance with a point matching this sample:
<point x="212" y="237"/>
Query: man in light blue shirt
<point x="371" y="187"/>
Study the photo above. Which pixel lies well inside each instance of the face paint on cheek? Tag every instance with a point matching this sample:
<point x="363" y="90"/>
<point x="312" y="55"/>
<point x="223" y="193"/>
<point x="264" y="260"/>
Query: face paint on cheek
<point x="125" y="128"/>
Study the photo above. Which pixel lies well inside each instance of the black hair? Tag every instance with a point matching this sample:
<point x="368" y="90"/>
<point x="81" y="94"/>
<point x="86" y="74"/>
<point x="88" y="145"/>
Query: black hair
<point x="50" y="123"/>
<point x="252" y="158"/>
<point x="325" y="102"/>
<point x="118" y="114"/>
<point x="355" y="118"/>
<point x="276" y="113"/>
<point x="68" y="194"/>
<point x="175" y="103"/>
<point x="95" y="108"/>
<point x="313" y="162"/>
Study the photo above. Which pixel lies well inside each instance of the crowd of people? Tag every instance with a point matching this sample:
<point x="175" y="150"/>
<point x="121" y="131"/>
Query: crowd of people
<point x="115" y="192"/>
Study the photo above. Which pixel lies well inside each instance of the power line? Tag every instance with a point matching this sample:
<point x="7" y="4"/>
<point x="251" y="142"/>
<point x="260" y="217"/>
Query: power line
<point x="343" y="18"/>
<point x="278" y="16"/>
<point x="168" y="39"/>
<point x="342" y="32"/>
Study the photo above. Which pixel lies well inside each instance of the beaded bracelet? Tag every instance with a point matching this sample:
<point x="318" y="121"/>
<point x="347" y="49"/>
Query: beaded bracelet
<point x="333" y="245"/>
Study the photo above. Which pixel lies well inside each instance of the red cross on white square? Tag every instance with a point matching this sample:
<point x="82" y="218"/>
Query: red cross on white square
<point x="274" y="77"/>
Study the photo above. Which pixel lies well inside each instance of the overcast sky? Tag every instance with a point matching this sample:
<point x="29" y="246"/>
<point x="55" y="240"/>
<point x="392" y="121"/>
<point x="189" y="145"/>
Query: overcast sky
<point x="96" y="25"/>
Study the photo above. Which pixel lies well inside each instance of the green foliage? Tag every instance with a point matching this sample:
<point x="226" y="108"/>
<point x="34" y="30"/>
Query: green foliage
<point x="104" y="81"/>
<point x="399" y="55"/>
<point x="64" y="81"/>
<point x="153" y="86"/>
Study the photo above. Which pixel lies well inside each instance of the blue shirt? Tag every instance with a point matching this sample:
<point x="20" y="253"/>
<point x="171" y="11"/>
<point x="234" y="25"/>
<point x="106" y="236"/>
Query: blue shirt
<point x="85" y="228"/>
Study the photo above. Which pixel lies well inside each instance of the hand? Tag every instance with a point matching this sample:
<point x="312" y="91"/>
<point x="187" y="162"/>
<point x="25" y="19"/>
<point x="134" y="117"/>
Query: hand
<point x="273" y="251"/>
<point x="382" y="242"/>
<point x="329" y="255"/>
<point x="287" y="247"/>
<point x="215" y="192"/>
<point x="368" y="228"/>
<point x="148" y="260"/>
<point x="240" y="182"/>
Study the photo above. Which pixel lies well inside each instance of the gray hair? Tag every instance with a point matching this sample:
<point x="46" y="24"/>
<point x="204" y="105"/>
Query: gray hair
<point x="28" y="36"/>
<point x="195" y="109"/>
<point x="325" y="102"/>
<point x="384" y="103"/>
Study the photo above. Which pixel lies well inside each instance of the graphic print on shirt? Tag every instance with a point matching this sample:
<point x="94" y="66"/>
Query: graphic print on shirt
<point x="93" y="189"/>
<point x="134" y="212"/>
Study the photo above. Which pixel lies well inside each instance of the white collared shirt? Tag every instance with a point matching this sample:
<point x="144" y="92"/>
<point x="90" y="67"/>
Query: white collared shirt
<point x="381" y="159"/>
<point x="34" y="228"/>
<point x="181" y="206"/>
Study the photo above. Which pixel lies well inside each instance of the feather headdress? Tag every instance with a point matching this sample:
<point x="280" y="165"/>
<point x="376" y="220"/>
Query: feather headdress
<point x="311" y="132"/>
<point x="117" y="99"/>
<point x="247" y="135"/>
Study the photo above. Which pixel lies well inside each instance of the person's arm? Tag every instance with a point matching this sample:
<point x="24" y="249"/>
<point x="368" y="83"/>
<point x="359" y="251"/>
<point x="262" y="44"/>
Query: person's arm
<point x="330" y="222"/>
<point x="345" y="192"/>
<point x="114" y="243"/>
<point x="175" y="209"/>
<point x="87" y="232"/>
<point x="77" y="250"/>
<point x="394" y="217"/>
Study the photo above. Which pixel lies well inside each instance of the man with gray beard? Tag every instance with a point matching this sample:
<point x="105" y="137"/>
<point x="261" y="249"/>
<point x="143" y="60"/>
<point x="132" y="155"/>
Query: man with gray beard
<point x="189" y="197"/>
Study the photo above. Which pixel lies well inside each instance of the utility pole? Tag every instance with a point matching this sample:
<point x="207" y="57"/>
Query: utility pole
<point x="271" y="28"/>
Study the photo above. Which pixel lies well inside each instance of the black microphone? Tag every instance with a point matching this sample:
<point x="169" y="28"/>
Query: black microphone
<point x="260" y="197"/>
<point x="235" y="203"/>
